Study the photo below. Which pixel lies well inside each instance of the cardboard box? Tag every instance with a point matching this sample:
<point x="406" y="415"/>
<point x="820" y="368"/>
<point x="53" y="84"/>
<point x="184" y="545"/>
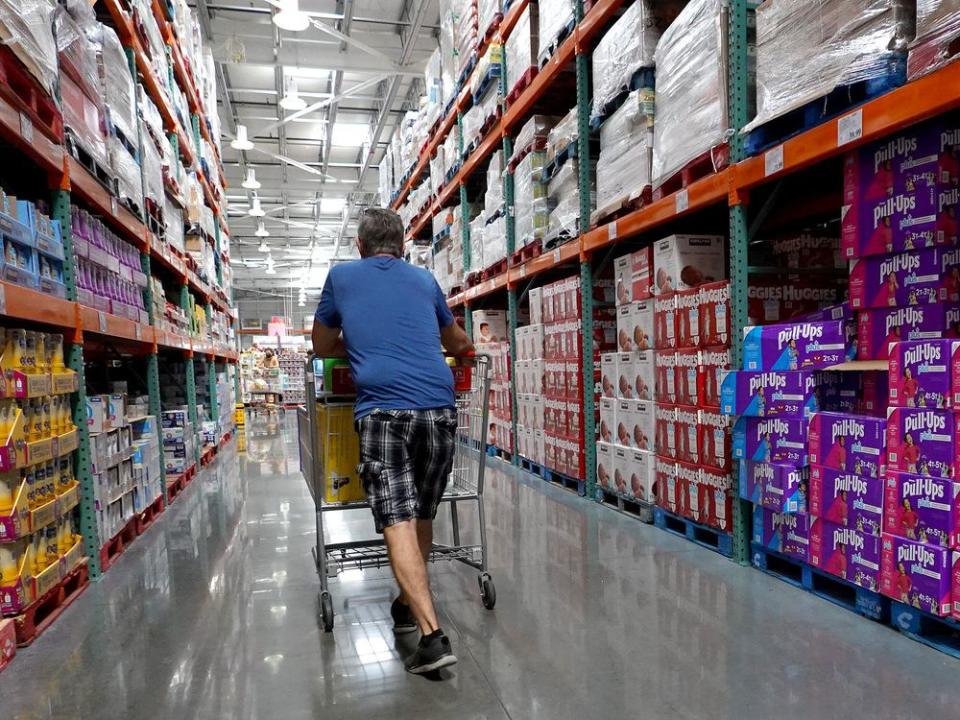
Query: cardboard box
<point x="621" y="469"/>
<point x="644" y="384"/>
<point x="665" y="432"/>
<point x="665" y="380"/>
<point x="608" y="420"/>
<point x="714" y="499"/>
<point x="605" y="465"/>
<point x="609" y="377"/>
<point x="665" y="322"/>
<point x="772" y="440"/>
<point x="714" y="440"/>
<point x="643" y="424"/>
<point x="688" y="318"/>
<point x="796" y="346"/>
<point x="626" y="376"/>
<point x="921" y="441"/>
<point x="682" y="262"/>
<point x="665" y="482"/>
<point x="916" y="574"/>
<point x="878" y="329"/>
<point x="624" y="416"/>
<point x="774" y="393"/>
<point x="687" y="421"/>
<point x="847" y="499"/>
<point x="98" y="413"/>
<point x="767" y="529"/>
<point x="846" y="553"/>
<point x="796" y="535"/>
<point x="715" y="361"/>
<point x="922" y="508"/>
<point x="924" y="373"/>
<point x="8" y="641"/>
<point x="624" y="329"/>
<point x="854" y="443"/>
<point x="917" y="277"/>
<point x="713" y="314"/>
<point x="686" y="376"/>
<point x="489" y="326"/>
<point x="641" y="324"/>
<point x="642" y="477"/>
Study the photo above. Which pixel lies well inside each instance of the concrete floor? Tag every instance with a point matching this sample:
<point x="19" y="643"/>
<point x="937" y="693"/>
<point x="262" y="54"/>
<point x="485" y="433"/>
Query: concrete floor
<point x="213" y="614"/>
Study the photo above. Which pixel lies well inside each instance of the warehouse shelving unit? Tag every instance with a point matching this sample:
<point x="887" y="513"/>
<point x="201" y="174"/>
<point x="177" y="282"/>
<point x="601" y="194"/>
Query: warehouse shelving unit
<point x="729" y="189"/>
<point x="89" y="332"/>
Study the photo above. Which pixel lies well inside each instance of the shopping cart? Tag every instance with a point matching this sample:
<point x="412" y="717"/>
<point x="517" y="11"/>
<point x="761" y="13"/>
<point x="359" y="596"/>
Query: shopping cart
<point x="328" y="458"/>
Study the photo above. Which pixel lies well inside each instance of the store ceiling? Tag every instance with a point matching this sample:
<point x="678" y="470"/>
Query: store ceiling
<point x="362" y="61"/>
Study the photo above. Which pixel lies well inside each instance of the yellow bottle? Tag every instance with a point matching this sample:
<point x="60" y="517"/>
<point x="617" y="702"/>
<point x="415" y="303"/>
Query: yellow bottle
<point x="53" y="478"/>
<point x="39" y="553"/>
<point x="55" y="348"/>
<point x="40" y="353"/>
<point x="65" y="475"/>
<point x="9" y="482"/>
<point x="46" y="426"/>
<point x="9" y="554"/>
<point x="51" y="543"/>
<point x="38" y="419"/>
<point x="17" y="347"/>
<point x="30" y="354"/>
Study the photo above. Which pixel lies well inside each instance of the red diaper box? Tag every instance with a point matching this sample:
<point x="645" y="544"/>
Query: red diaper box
<point x="688" y="478"/>
<point x="572" y="381"/>
<point x="665" y="433"/>
<point x="8" y="642"/>
<point x="714" y="314"/>
<point x="665" y="376"/>
<point x="714" y="440"/>
<point x="686" y="376"/>
<point x="633" y="274"/>
<point x="714" y="362"/>
<point x="715" y="499"/>
<point x="776" y="300"/>
<point x="687" y="307"/>
<point x="687" y="421"/>
<point x="665" y="322"/>
<point x="665" y="477"/>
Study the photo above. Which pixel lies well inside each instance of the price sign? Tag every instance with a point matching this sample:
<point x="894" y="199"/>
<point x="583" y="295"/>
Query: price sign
<point x="26" y="127"/>
<point x="523" y="270"/>
<point x="556" y="256"/>
<point x="773" y="161"/>
<point x="612" y="231"/>
<point x="102" y="318"/>
<point x="850" y="128"/>
<point x="3" y="300"/>
<point x="138" y="331"/>
<point x="682" y="201"/>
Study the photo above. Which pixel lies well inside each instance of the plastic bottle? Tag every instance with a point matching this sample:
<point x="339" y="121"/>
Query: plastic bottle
<point x="39" y="553"/>
<point x="40" y="353"/>
<point x="56" y="352"/>
<point x="46" y="425"/>
<point x="8" y="564"/>
<point x="65" y="478"/>
<point x="8" y="486"/>
<point x="29" y="359"/>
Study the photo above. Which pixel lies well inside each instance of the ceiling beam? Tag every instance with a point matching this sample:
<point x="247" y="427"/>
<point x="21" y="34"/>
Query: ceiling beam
<point x="254" y="10"/>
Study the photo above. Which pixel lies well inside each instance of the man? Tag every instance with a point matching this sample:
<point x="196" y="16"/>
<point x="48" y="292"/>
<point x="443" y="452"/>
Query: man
<point x="390" y="319"/>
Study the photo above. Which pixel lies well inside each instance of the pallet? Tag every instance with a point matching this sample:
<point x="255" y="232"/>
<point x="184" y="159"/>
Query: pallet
<point x="465" y="74"/>
<point x="632" y="506"/>
<point x="549" y="49"/>
<point x="707" y="163"/>
<point x="644" y="77"/>
<point x="934" y="53"/>
<point x="838" y="101"/>
<point x="493" y="270"/>
<point x="570" y="150"/>
<point x="155" y="222"/>
<point x="31" y="623"/>
<point x="530" y="466"/>
<point x="702" y="535"/>
<point x="443" y="234"/>
<point x="488" y="123"/>
<point x="206" y="456"/>
<point x="525" y="253"/>
<point x="492" y="74"/>
<point x="494" y="451"/>
<point x="451" y="173"/>
<point x="148" y="516"/>
<point x="570" y="483"/>
<point x="114" y="547"/>
<point x="179" y="483"/>
<point x="19" y="88"/>
<point x="624" y="205"/>
<point x="865" y="602"/>
<point x="521" y="84"/>
<point x="131" y="146"/>
<point x="940" y="633"/>
<point x="560" y="237"/>
<point x="491" y="31"/>
<point x="101" y="173"/>
<point x="227" y="437"/>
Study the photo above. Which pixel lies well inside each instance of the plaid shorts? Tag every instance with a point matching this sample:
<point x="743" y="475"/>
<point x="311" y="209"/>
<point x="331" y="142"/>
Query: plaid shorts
<point x="405" y="462"/>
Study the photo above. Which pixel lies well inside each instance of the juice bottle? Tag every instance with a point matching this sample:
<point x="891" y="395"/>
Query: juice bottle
<point x="53" y="478"/>
<point x="65" y="478"/>
<point x="55" y="348"/>
<point x="8" y="563"/>
<point x="46" y="427"/>
<point x="40" y="352"/>
<point x="38" y="419"/>
<point x="30" y="353"/>
<point x="17" y="347"/>
<point x="8" y="486"/>
<point x="52" y="548"/>
<point x="39" y="553"/>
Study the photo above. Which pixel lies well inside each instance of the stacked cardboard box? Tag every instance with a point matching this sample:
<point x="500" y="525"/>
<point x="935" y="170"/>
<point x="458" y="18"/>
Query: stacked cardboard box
<point x="179" y="442"/>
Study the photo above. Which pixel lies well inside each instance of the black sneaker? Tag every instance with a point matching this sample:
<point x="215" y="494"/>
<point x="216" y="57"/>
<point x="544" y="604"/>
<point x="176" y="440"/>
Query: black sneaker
<point x="432" y="653"/>
<point x="403" y="621"/>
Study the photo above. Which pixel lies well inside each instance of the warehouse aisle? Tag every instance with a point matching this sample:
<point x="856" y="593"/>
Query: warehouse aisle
<point x="213" y="615"/>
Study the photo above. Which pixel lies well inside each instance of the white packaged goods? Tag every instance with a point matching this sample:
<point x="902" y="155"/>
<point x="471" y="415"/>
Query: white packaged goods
<point x="530" y="198"/>
<point x="116" y="82"/>
<point x="433" y="88"/>
<point x="626" y="47"/>
<point x="626" y="151"/>
<point x="489" y="326"/>
<point x="493" y="196"/>
<point x="26" y="27"/>
<point x="563" y="199"/>
<point x="562" y="134"/>
<point x="495" y="240"/>
<point x="487" y="13"/>
<point x="555" y="16"/>
<point x="682" y="262"/>
<point x="938" y="28"/>
<point x="477" y="261"/>
<point x="522" y="47"/>
<point x="834" y="42"/>
<point x="691" y="88"/>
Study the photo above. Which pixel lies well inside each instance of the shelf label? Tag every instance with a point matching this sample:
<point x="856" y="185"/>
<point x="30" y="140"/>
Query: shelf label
<point x="3" y="300"/>
<point x="102" y="318"/>
<point x="773" y="161"/>
<point x="556" y="256"/>
<point x="26" y="127"/>
<point x="850" y="127"/>
<point x="113" y="206"/>
<point x="523" y="270"/>
<point x="138" y="331"/>
<point x="612" y="230"/>
<point x="682" y="201"/>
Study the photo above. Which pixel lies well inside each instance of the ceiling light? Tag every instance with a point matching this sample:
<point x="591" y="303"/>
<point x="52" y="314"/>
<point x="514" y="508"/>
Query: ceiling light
<point x="255" y="209"/>
<point x="350" y="134"/>
<point x="263" y="246"/>
<point x="302" y="302"/>
<point x="241" y="142"/>
<point x="291" y="100"/>
<point x="270" y="269"/>
<point x="331" y="206"/>
<point x="291" y="17"/>
<point x="261" y="232"/>
<point x="251" y="183"/>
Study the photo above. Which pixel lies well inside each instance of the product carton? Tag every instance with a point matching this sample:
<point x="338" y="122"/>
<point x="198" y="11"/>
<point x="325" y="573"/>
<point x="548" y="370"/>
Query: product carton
<point x="955" y="584"/>
<point x="642" y="475"/>
<point x="609" y="376"/>
<point x="624" y="416"/>
<point x="621" y="469"/>
<point x="854" y="443"/>
<point x="921" y="374"/>
<point x="796" y="346"/>
<point x="688" y="478"/>
<point x="8" y="641"/>
<point x="921" y="441"/>
<point x="686" y="376"/>
<point x="665" y="383"/>
<point x="644" y="370"/>
<point x="665" y="433"/>
<point x="665" y="322"/>
<point x="626" y="377"/>
<point x="624" y="329"/>
<point x="714" y="314"/>
<point x="489" y="326"/>
<point x="917" y="277"/>
<point x="633" y="276"/>
<point x="605" y="465"/>
<point x="767" y="529"/>
<point x="847" y="499"/>
<point x="845" y="553"/>
<point x="877" y="330"/>
<point x="916" y="574"/>
<point x="641" y="324"/>
<point x="715" y="362"/>
<point x="98" y="413"/>
<point x="688" y="318"/>
<point x="665" y="471"/>
<point x="775" y="393"/>
<point x="643" y="424"/>
<point x="714" y="440"/>
<point x="922" y="508"/>
<point x="686" y="429"/>
<point x="682" y="262"/>
<point x="782" y="488"/>
<point x="776" y="440"/>
<point x="796" y="535"/>
<point x="608" y="420"/>
<point x="714" y="499"/>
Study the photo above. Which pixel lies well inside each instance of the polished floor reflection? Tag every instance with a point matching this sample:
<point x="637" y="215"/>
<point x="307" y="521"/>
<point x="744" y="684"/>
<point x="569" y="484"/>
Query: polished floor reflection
<point x="213" y="614"/>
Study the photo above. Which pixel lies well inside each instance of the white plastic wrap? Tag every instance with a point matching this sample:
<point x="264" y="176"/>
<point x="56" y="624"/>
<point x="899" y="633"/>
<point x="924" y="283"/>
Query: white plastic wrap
<point x="938" y="29"/>
<point x="438" y="170"/>
<point x="78" y="55"/>
<point x="495" y="240"/>
<point x="151" y="116"/>
<point x="806" y="48"/>
<point x="152" y="172"/>
<point x="173" y="218"/>
<point x="562" y="134"/>
<point x="26" y="27"/>
<point x="691" y="88"/>
<point x="116" y="83"/>
<point x="487" y="12"/>
<point x="433" y="88"/>
<point x="626" y="151"/>
<point x="477" y="260"/>
<point x="626" y="47"/>
<point x="83" y="118"/>
<point x="530" y="199"/>
<point x="493" y="196"/>
<point x="127" y="171"/>
<point x="419" y="255"/>
<point x="554" y="17"/>
<point x="563" y="199"/>
<point x="448" y="60"/>
<point x="534" y="133"/>
<point x="522" y="46"/>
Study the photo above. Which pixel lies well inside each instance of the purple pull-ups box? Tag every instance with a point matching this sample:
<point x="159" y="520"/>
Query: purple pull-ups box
<point x="852" y="443"/>
<point x="771" y="440"/>
<point x="845" y="553"/>
<point x="768" y="394"/>
<point x="921" y="441"/>
<point x="847" y="499"/>
<point x="922" y="508"/>
<point x="877" y="330"/>
<point x="920" y="374"/>
<point x="919" y="277"/>
<point x="781" y="488"/>
<point x="916" y="574"/>
<point x="796" y="346"/>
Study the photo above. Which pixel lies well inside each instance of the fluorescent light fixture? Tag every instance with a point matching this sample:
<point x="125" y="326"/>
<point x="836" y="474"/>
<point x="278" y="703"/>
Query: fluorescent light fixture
<point x="263" y="246"/>
<point x="261" y="232"/>
<point x="331" y="206"/>
<point x="350" y="134"/>
<point x="291" y="100"/>
<point x="255" y="209"/>
<point x="270" y="268"/>
<point x="241" y="142"/>
<point x="251" y="183"/>
<point x="291" y="17"/>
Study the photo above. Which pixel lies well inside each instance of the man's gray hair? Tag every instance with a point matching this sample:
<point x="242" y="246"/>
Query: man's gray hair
<point x="380" y="232"/>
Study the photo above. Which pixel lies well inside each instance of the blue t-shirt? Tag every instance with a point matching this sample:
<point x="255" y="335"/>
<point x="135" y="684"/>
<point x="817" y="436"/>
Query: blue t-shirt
<point x="391" y="314"/>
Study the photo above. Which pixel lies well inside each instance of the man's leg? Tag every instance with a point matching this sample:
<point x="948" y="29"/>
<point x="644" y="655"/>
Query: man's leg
<point x="425" y="537"/>
<point x="410" y="570"/>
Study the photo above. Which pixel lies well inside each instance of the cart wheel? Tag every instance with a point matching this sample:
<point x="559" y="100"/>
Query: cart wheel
<point x="488" y="593"/>
<point x="326" y="609"/>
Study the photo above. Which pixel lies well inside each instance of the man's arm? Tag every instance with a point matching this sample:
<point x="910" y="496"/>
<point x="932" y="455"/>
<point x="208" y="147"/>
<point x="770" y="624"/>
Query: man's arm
<point x="327" y="342"/>
<point x="455" y="340"/>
